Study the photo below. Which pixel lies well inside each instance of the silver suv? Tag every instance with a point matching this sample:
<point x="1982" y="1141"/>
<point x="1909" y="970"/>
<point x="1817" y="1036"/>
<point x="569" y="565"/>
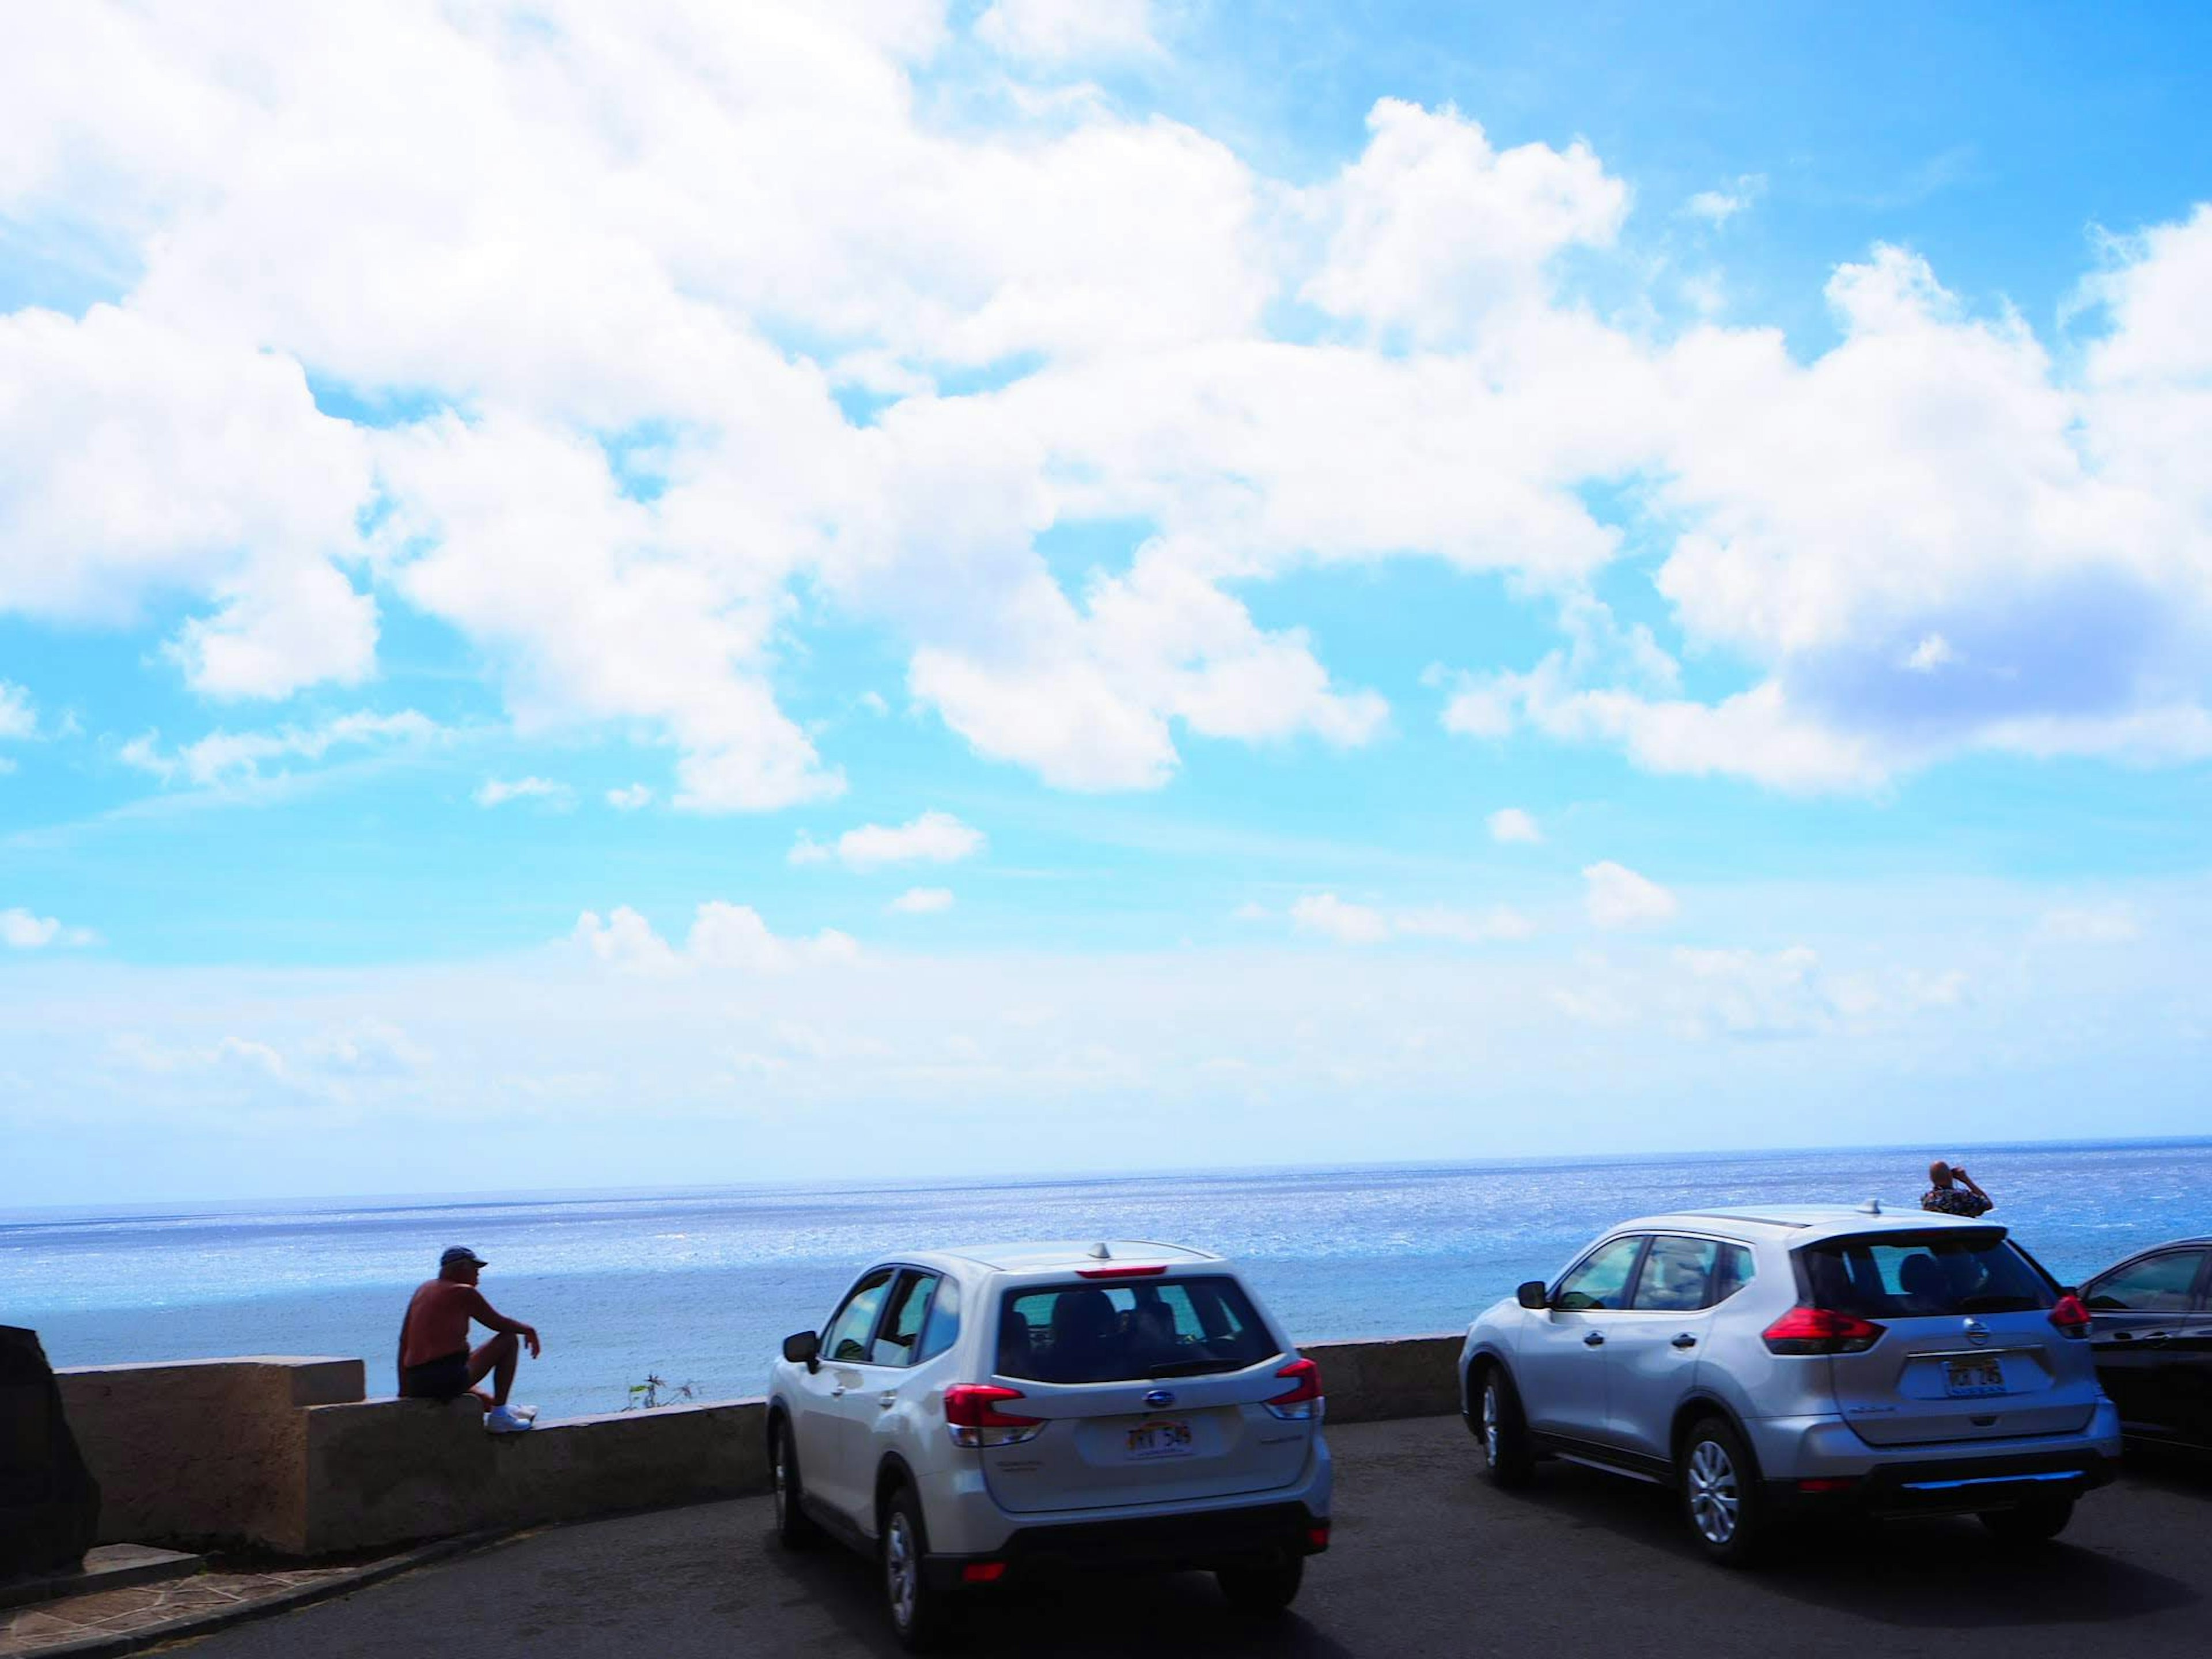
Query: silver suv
<point x="968" y="1417"/>
<point x="1763" y="1362"/>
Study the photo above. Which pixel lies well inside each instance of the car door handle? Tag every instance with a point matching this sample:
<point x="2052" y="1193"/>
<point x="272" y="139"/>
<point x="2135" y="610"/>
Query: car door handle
<point x="1686" y="1341"/>
<point x="837" y="1391"/>
<point x="1594" y="1339"/>
<point x="887" y="1399"/>
<point x="2151" y="1338"/>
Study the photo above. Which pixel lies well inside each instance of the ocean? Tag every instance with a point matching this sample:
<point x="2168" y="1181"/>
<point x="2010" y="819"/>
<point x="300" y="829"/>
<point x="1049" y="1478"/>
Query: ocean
<point x="698" y="1286"/>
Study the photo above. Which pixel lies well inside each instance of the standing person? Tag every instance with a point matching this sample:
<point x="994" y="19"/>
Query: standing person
<point x="436" y="1362"/>
<point x="1952" y="1191"/>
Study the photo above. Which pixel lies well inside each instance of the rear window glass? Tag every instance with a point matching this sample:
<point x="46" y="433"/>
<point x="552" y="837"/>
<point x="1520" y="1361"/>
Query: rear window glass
<point x="1124" y="1331"/>
<point x="1913" y="1275"/>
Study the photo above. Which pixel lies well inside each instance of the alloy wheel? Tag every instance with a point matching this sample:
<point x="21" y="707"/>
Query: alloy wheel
<point x="900" y="1572"/>
<point x="1490" y="1437"/>
<point x="1715" y="1503"/>
<point x="782" y="1476"/>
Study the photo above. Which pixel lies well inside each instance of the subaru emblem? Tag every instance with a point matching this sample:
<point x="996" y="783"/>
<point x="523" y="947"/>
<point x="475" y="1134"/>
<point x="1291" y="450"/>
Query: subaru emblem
<point x="1159" y="1399"/>
<point x="1976" y="1333"/>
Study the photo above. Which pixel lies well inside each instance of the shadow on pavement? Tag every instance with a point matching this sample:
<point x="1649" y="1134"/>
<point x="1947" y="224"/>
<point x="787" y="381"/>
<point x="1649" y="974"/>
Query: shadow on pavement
<point x="1075" y="1616"/>
<point x="1936" y="1574"/>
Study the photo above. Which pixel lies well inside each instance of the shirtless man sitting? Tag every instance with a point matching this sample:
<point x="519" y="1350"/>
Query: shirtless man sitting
<point x="436" y="1362"/>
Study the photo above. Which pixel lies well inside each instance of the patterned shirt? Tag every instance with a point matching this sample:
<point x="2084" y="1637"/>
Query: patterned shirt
<point x="1955" y="1200"/>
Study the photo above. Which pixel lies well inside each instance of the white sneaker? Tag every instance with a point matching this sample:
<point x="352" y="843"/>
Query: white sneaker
<point x="505" y="1419"/>
<point x="530" y="1411"/>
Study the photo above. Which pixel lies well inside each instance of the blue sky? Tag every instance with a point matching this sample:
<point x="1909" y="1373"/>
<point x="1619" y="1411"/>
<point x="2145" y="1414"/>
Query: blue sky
<point x="896" y="588"/>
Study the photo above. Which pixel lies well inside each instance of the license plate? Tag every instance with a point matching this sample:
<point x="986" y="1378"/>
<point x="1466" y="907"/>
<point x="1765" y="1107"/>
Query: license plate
<point x="1160" y="1437"/>
<point x="1974" y="1376"/>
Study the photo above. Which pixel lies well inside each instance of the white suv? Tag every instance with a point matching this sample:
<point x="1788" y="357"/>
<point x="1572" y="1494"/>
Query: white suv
<point x="1767" y="1361"/>
<point x="968" y="1416"/>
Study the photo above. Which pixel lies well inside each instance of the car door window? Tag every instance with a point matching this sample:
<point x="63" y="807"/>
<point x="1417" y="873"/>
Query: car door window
<point x="847" y="1339"/>
<point x="942" y="1329"/>
<point x="2160" y="1284"/>
<point x="1677" y="1275"/>
<point x="1600" y="1279"/>
<point x="901" y="1332"/>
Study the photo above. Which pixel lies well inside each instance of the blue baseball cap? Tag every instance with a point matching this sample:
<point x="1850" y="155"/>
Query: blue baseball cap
<point x="461" y="1253"/>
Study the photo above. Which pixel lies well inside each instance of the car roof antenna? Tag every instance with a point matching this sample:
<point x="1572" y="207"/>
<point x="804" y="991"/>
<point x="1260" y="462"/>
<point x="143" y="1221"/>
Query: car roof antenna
<point x="1100" y="1252"/>
<point x="1872" y="1206"/>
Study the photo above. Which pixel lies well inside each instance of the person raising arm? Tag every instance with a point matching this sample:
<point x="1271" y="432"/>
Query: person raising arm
<point x="435" y="1360"/>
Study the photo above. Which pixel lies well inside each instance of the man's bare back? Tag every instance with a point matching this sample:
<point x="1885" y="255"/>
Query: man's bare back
<point x="435" y="1360"/>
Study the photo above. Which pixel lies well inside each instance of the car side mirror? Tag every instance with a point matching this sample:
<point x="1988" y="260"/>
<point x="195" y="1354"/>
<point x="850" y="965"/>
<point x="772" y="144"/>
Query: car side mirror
<point x="1534" y="1294"/>
<point x="803" y="1349"/>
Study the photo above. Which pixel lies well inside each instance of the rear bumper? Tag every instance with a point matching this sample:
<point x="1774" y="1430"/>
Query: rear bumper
<point x="1951" y="1485"/>
<point x="1202" y="1542"/>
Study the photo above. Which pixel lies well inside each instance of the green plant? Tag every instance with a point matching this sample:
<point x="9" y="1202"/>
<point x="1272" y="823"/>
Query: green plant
<point x="657" y="1391"/>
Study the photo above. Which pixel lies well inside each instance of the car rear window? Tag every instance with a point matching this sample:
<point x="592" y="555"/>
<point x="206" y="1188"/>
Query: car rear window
<point x="1122" y="1332"/>
<point x="1914" y="1275"/>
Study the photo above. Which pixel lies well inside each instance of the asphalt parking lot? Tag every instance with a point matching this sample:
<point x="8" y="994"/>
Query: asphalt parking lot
<point x="1426" y="1559"/>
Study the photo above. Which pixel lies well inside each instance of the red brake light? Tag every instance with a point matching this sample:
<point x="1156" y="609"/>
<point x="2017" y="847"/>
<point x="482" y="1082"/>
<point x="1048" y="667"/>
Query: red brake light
<point x="975" y="1406"/>
<point x="1820" y="1330"/>
<point x="982" y="1572"/>
<point x="1316" y="1538"/>
<point x="2071" y="1318"/>
<point x="1307" y="1385"/>
<point x="1121" y="1272"/>
<point x="1304" y="1399"/>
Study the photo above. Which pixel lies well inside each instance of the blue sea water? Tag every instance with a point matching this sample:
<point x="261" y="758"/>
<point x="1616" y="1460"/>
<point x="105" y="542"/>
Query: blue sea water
<point x="698" y="1286"/>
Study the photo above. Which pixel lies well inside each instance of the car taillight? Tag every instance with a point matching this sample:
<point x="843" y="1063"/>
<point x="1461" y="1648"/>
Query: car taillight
<point x="1305" y="1400"/>
<point x="1146" y="1271"/>
<point x="2071" y="1318"/>
<point x="1820" y="1330"/>
<point x="971" y="1411"/>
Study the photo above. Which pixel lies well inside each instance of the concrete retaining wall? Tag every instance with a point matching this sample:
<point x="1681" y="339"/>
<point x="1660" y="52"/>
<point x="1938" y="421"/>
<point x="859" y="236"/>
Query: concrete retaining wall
<point x="286" y="1454"/>
<point x="202" y="1450"/>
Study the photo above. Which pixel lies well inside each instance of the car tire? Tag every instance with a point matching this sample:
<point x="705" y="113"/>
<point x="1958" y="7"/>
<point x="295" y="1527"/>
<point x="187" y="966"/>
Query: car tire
<point x="1501" y="1428"/>
<point x="796" y="1529"/>
<point x="920" y="1612"/>
<point x="1261" y="1591"/>
<point x="1721" y="1501"/>
<point x="2037" y="1522"/>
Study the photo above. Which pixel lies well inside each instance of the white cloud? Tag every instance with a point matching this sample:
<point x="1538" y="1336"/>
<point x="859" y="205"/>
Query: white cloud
<point x="18" y="718"/>
<point x="1717" y="207"/>
<point x="20" y="930"/>
<point x="228" y="757"/>
<point x="921" y="901"/>
<point x="595" y="244"/>
<point x="1347" y="923"/>
<point x="1616" y="897"/>
<point x="497" y="792"/>
<point x="1332" y="918"/>
<point x="2090" y="924"/>
<point x="934" y="837"/>
<point x="723" y="937"/>
<point x="630" y="799"/>
<point x="1251" y="910"/>
<point x="1055" y="31"/>
<point x="1434" y="230"/>
<point x="152" y="461"/>
<point x="1511" y="824"/>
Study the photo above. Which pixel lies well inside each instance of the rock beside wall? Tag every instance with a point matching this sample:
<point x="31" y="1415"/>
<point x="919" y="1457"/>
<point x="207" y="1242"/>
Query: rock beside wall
<point x="49" y="1502"/>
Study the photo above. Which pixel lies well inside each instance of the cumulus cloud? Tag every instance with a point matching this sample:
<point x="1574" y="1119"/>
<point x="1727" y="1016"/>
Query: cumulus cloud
<point x="1055" y="31"/>
<point x="1717" y="207"/>
<point x="934" y="837"/>
<point x="497" y="792"/>
<point x="141" y="461"/>
<point x="556" y="278"/>
<point x="225" y="758"/>
<point x="20" y="930"/>
<point x="922" y="901"/>
<point x="1616" y="897"/>
<point x="630" y="798"/>
<point x="1511" y="824"/>
<point x="723" y="937"/>
<point x="1347" y="923"/>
